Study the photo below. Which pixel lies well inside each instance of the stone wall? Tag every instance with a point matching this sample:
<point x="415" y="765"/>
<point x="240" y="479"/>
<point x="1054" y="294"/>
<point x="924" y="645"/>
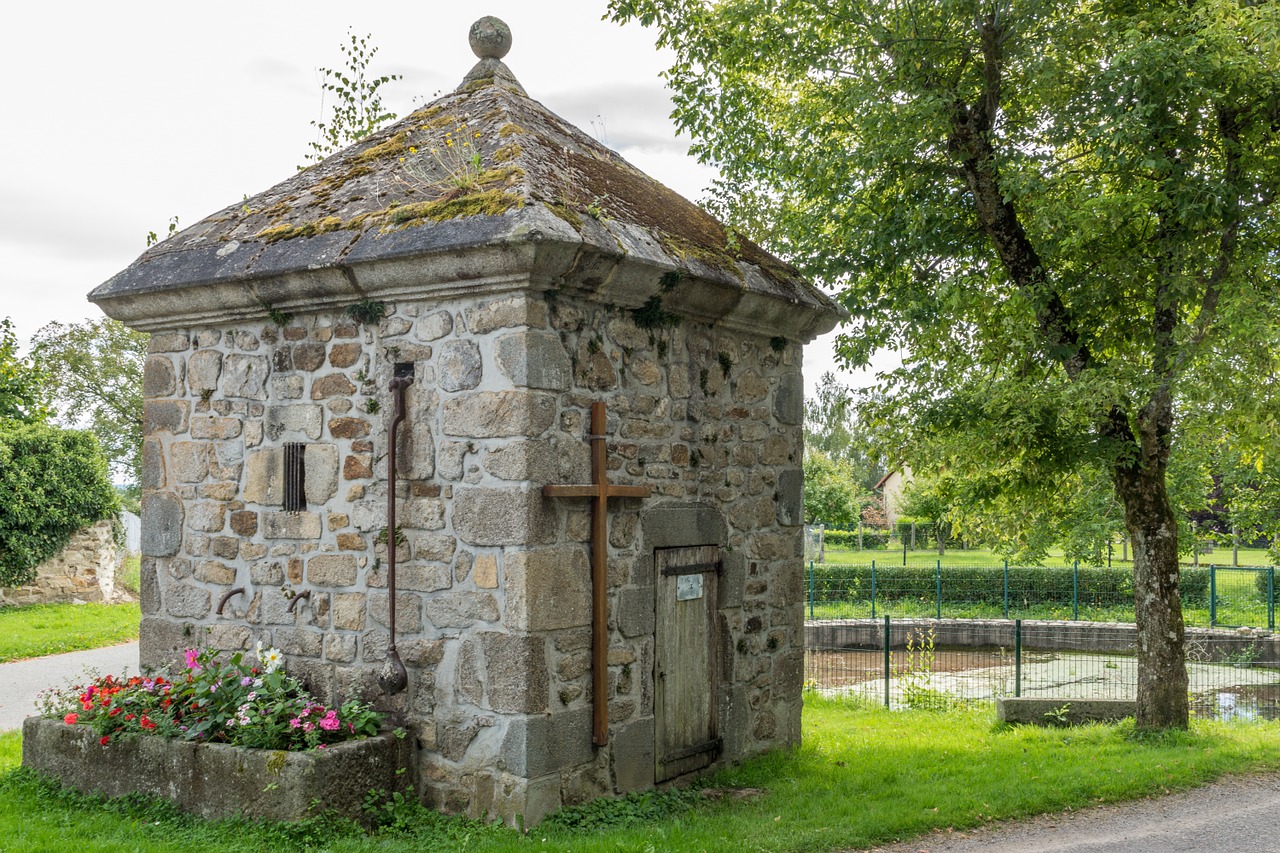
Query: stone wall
<point x="493" y="611"/>
<point x="84" y="571"/>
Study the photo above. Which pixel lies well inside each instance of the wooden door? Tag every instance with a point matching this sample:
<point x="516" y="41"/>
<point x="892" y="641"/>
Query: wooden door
<point x="685" y="660"/>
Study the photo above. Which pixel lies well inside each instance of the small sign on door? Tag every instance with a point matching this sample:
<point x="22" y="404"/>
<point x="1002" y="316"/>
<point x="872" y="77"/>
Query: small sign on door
<point x="688" y="587"/>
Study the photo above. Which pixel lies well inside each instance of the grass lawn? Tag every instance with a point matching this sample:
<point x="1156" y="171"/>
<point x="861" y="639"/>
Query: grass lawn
<point x="984" y="557"/>
<point x="46" y="629"/>
<point x="864" y="776"/>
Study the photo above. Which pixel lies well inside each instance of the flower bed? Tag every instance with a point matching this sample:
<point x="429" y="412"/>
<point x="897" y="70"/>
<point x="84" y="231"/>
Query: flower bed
<point x="217" y="780"/>
<point x="213" y="701"/>
<point x="220" y="738"/>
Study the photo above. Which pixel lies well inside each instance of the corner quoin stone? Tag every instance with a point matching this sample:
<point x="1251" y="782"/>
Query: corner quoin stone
<point x="161" y="524"/>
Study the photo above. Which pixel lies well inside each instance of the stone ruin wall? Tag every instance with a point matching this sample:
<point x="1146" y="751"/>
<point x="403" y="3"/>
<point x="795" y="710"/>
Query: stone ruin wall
<point x="82" y="572"/>
<point x="493" y="615"/>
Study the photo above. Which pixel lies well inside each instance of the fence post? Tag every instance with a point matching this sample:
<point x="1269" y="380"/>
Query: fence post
<point x="1075" y="590"/>
<point x="1213" y="596"/>
<point x="811" y="589"/>
<point x="1017" y="657"/>
<point x="938" y="576"/>
<point x="1271" y="598"/>
<point x="859" y="534"/>
<point x="913" y="536"/>
<point x="1006" y="589"/>
<point x="1195" y="548"/>
<point x="887" y="667"/>
<point x="873" y="589"/>
<point x="1235" y="546"/>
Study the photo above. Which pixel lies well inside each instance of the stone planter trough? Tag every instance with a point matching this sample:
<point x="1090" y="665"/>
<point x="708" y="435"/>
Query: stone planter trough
<point x="217" y="780"/>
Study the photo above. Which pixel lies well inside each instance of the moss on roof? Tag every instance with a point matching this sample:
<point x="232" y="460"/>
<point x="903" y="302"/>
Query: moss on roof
<point x="485" y="150"/>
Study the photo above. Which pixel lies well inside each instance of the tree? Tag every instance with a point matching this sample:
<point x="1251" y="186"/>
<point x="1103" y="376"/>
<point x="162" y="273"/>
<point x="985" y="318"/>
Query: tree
<point x="21" y="383"/>
<point x="1060" y="212"/>
<point x="931" y="499"/>
<point x="831" y="426"/>
<point x="53" y="482"/>
<point x="93" y="375"/>
<point x="357" y="110"/>
<point x="832" y="494"/>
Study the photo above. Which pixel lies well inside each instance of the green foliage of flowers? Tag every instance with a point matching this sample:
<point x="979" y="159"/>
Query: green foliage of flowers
<point x="214" y="700"/>
<point x="52" y="483"/>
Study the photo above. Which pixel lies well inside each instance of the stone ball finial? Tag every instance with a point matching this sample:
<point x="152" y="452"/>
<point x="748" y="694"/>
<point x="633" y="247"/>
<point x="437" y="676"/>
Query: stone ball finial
<point x="490" y="38"/>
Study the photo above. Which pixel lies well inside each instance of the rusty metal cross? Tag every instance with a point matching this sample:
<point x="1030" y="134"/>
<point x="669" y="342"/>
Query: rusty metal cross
<point x="600" y="489"/>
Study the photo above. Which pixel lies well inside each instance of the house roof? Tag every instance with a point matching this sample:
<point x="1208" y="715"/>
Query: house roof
<point x="484" y="167"/>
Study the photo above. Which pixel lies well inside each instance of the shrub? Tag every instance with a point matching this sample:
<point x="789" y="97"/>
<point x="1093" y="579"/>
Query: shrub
<point x="871" y="539"/>
<point x="1028" y="585"/>
<point x="52" y="483"/>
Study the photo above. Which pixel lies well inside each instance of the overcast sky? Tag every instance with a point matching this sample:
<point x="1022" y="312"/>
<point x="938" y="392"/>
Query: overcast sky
<point x="123" y="115"/>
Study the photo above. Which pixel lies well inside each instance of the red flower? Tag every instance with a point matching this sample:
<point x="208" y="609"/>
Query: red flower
<point x="70" y="719"/>
<point x="113" y="712"/>
<point x="128" y="717"/>
<point x="104" y="740"/>
<point x="146" y="724"/>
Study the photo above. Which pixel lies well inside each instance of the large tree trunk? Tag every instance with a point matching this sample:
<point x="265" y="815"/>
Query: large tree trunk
<point x="1153" y="528"/>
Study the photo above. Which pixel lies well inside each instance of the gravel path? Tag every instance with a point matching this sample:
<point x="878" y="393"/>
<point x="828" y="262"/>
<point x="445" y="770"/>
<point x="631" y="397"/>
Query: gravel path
<point x="1235" y="814"/>
<point x="21" y="680"/>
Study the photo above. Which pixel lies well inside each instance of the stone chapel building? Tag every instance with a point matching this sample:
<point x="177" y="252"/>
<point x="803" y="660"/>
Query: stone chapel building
<point x="500" y="272"/>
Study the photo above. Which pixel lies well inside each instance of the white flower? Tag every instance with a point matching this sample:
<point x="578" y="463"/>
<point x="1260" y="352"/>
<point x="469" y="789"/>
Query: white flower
<point x="271" y="659"/>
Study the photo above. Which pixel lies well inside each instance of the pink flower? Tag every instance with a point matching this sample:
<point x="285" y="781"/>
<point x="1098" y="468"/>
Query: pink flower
<point x="70" y="719"/>
<point x="191" y="656"/>
<point x="308" y="727"/>
<point x="295" y="722"/>
<point x="330" y="722"/>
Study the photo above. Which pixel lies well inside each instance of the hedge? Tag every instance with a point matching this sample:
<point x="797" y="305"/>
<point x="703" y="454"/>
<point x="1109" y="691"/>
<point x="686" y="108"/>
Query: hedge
<point x="1028" y="585"/>
<point x="52" y="483"/>
<point x="849" y="539"/>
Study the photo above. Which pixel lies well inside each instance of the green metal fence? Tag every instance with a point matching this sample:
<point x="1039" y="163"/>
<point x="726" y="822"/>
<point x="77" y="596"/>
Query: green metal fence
<point x="932" y="663"/>
<point x="1212" y="596"/>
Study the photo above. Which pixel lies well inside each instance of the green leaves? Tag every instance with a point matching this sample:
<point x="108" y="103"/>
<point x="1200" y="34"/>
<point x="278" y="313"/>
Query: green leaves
<point x="22" y="394"/>
<point x="93" y="375"/>
<point x="52" y="483"/>
<point x="1055" y="211"/>
<point x="357" y="110"/>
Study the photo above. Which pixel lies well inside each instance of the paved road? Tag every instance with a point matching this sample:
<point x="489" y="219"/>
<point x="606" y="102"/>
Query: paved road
<point x="20" y="681"/>
<point x="1237" y="814"/>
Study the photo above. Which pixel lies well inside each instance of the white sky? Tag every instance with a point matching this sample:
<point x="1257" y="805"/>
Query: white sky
<point x="122" y="115"/>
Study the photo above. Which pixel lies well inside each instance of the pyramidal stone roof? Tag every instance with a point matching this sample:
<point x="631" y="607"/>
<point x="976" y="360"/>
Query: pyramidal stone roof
<point x="483" y="189"/>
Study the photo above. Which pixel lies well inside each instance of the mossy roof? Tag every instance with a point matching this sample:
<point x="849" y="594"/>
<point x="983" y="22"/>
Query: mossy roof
<point x="483" y="165"/>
